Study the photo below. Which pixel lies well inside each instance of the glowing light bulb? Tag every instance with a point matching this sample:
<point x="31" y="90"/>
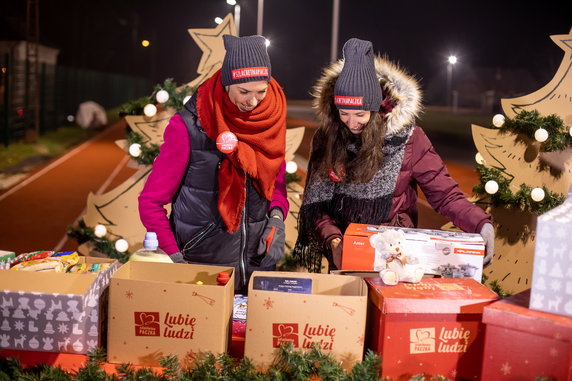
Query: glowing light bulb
<point x="498" y="120"/>
<point x="291" y="167"/>
<point x="100" y="231"/>
<point x="491" y="187"/>
<point x="537" y="194"/>
<point x="541" y="135"/>
<point x="70" y="118"/>
<point x="479" y="159"/>
<point x="121" y="245"/>
<point x="162" y="96"/>
<point x="267" y="42"/>
<point x="135" y="149"/>
<point x="150" y="110"/>
<point x="186" y="99"/>
<point x="218" y="20"/>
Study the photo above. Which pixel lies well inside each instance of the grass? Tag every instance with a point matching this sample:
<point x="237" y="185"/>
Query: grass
<point x="51" y="144"/>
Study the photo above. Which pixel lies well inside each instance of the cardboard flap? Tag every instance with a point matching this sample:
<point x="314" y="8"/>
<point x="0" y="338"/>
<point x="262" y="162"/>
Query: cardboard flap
<point x="438" y="296"/>
<point x="513" y="313"/>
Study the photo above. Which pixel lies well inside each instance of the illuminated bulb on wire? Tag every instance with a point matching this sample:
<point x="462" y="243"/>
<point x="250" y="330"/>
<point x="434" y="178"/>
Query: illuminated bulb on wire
<point x="70" y="118"/>
<point x="491" y="187"/>
<point x="541" y="135"/>
<point x="570" y="130"/>
<point x="162" y="96"/>
<point x="135" y="149"/>
<point x="121" y="245"/>
<point x="537" y="194"/>
<point x="150" y="109"/>
<point x="100" y="231"/>
<point x="498" y="120"/>
<point x="218" y="20"/>
<point x="291" y="167"/>
<point x="267" y="42"/>
<point x="186" y="99"/>
<point x="479" y="159"/>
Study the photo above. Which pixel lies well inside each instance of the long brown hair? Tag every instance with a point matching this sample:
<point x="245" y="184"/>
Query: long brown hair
<point x="330" y="149"/>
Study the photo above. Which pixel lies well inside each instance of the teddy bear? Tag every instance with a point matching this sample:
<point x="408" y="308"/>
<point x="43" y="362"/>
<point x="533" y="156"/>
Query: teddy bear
<point x="390" y="260"/>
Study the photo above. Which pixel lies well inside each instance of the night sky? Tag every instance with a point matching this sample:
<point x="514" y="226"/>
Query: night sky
<point x="105" y="35"/>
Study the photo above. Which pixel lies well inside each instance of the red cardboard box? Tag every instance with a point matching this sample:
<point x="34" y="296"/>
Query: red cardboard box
<point x="433" y="327"/>
<point x="524" y="344"/>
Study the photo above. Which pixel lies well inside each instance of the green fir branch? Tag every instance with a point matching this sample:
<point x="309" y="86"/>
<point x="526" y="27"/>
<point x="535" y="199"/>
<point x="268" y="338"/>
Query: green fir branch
<point x="527" y="122"/>
<point x="176" y="96"/>
<point x="83" y="234"/>
<point x="520" y="200"/>
<point x="148" y="151"/>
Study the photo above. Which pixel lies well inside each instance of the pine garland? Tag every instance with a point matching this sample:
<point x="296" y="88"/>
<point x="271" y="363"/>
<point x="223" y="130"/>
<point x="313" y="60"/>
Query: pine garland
<point x="176" y="98"/>
<point x="148" y="151"/>
<point x="527" y="122"/>
<point x="520" y="200"/>
<point x="84" y="233"/>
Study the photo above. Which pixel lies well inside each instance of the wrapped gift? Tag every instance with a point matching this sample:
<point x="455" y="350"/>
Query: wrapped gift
<point x="552" y="271"/>
<point x="433" y="327"/>
<point x="525" y="344"/>
<point x="54" y="312"/>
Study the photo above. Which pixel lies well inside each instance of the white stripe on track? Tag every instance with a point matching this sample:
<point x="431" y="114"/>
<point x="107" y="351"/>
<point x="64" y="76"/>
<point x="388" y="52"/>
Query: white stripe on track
<point x="54" y="164"/>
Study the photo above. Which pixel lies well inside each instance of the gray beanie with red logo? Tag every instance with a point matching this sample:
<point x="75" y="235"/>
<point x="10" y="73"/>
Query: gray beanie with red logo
<point x="357" y="87"/>
<point x="246" y="60"/>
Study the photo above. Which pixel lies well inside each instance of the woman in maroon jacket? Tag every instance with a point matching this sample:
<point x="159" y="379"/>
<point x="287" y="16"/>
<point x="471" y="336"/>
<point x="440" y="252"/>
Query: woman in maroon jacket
<point x="368" y="158"/>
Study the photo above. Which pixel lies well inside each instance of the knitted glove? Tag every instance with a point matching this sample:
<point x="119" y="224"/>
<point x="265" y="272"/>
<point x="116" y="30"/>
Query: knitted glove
<point x="272" y="241"/>
<point x="177" y="257"/>
<point x="488" y="234"/>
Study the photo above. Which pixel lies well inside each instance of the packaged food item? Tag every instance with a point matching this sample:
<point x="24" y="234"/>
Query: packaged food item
<point x="47" y="261"/>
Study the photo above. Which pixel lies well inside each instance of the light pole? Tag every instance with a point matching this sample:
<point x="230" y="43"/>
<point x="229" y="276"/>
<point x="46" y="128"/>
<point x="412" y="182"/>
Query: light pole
<point x="236" y="14"/>
<point x="260" y="17"/>
<point x="451" y="61"/>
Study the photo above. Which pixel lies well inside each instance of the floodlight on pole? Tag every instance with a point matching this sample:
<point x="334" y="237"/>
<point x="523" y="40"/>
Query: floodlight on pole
<point x="452" y="60"/>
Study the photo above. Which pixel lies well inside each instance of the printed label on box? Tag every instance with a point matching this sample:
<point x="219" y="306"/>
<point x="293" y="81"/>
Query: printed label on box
<point x="282" y="284"/>
<point x="322" y="336"/>
<point x="178" y="326"/>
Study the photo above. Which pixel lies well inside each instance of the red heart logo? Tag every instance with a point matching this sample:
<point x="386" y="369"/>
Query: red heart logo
<point x="422" y="335"/>
<point x="284" y="331"/>
<point x="147" y="319"/>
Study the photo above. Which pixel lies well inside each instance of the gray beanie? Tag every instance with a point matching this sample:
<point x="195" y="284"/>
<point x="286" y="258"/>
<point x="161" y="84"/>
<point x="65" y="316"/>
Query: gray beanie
<point x="357" y="87"/>
<point x="246" y="60"/>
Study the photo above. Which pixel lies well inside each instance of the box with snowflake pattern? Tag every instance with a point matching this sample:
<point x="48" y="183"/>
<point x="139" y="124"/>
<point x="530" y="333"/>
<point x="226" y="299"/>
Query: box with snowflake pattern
<point x="525" y="344"/>
<point x="54" y="312"/>
<point x="433" y="327"/>
<point x="305" y="310"/>
<point x="552" y="269"/>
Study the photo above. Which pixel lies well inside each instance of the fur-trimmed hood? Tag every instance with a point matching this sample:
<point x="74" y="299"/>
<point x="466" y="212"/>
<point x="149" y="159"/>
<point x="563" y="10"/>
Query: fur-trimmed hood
<point x="400" y="90"/>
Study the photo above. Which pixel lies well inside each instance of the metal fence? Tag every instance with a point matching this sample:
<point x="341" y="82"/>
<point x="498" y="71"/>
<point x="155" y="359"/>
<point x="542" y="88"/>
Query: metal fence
<point x="61" y="90"/>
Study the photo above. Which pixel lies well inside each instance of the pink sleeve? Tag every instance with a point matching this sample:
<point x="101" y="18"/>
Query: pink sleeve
<point x="280" y="197"/>
<point x="163" y="182"/>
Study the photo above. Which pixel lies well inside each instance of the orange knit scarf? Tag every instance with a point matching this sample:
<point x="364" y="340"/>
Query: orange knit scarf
<point x="261" y="135"/>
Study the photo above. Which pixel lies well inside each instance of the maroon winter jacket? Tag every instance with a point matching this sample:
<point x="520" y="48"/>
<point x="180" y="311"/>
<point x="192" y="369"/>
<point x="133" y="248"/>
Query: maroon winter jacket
<point x="422" y="167"/>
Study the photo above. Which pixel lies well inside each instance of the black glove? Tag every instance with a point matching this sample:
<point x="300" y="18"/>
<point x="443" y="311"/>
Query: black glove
<point x="272" y="241"/>
<point x="177" y="257"/>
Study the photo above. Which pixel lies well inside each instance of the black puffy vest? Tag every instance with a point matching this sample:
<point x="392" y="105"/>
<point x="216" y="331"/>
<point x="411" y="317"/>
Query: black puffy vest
<point x="200" y="232"/>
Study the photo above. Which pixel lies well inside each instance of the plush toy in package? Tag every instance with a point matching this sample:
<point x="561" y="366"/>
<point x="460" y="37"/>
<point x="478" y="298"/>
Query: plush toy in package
<point x="441" y="253"/>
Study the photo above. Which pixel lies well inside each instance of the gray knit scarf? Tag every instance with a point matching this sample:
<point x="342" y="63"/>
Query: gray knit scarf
<point x="348" y="202"/>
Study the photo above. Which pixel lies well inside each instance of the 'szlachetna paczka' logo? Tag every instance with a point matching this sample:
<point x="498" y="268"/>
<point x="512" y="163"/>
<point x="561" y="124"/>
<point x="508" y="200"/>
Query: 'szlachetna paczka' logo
<point x="284" y="333"/>
<point x="147" y="324"/>
<point x="422" y="340"/>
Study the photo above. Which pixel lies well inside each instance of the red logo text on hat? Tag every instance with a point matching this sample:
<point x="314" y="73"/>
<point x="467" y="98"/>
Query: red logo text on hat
<point x="250" y="72"/>
<point x="348" y="101"/>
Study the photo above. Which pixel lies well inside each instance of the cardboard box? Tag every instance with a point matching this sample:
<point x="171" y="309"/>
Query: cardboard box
<point x="443" y="253"/>
<point x="524" y="344"/>
<point x="323" y="309"/>
<point x="552" y="268"/>
<point x="433" y="327"/>
<point x="54" y="312"/>
<point x="158" y="309"/>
